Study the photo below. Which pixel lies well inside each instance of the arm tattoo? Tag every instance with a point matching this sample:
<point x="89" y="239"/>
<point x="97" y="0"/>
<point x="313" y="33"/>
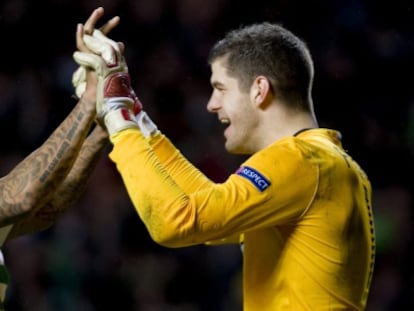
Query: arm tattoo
<point x="69" y="190"/>
<point x="33" y="182"/>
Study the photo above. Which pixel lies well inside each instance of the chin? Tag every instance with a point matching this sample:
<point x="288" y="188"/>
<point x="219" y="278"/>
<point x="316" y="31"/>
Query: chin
<point x="229" y="148"/>
<point x="234" y="149"/>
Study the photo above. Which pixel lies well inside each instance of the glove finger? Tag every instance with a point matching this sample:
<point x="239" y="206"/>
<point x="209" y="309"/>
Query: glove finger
<point x="99" y="35"/>
<point x="79" y="75"/>
<point x="89" y="60"/>
<point x="80" y="89"/>
<point x="101" y="48"/>
<point x="79" y="81"/>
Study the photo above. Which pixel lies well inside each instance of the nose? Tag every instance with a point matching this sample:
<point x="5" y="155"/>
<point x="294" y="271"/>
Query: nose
<point x="213" y="104"/>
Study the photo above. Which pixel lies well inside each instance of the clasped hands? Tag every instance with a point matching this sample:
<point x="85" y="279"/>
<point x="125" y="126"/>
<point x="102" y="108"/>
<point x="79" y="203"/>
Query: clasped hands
<point x="116" y="102"/>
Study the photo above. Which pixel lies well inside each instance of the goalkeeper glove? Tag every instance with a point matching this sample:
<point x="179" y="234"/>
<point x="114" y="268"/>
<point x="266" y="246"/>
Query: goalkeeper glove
<point x="146" y="125"/>
<point x="103" y="46"/>
<point x="79" y="81"/>
<point x="116" y="102"/>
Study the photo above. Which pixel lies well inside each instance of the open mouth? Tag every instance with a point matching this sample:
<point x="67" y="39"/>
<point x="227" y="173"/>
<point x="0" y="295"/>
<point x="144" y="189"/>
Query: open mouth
<point x="225" y="121"/>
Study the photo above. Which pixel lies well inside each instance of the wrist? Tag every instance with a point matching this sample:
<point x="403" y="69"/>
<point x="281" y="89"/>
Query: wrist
<point x="88" y="104"/>
<point x="118" y="120"/>
<point x="145" y="124"/>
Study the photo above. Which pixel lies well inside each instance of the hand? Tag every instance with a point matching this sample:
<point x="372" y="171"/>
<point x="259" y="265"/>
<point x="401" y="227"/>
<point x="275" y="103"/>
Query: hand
<point x="116" y="102"/>
<point x="79" y="76"/>
<point x="112" y="62"/>
<point x="114" y="85"/>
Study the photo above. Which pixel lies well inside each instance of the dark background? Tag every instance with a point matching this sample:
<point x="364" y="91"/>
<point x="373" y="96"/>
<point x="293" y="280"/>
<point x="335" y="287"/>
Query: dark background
<point x="99" y="256"/>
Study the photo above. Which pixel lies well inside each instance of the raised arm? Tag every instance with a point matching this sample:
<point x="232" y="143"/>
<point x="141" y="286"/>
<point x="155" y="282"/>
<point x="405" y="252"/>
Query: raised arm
<point x="53" y="177"/>
<point x="70" y="190"/>
<point x="32" y="183"/>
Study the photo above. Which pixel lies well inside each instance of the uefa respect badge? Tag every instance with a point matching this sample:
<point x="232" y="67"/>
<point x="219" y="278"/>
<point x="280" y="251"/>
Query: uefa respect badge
<point x="257" y="179"/>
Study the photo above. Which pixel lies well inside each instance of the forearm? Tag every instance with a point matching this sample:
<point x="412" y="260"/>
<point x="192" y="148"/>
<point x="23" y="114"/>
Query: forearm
<point x="185" y="174"/>
<point x="75" y="183"/>
<point x="169" y="213"/>
<point x="71" y="188"/>
<point x="34" y="180"/>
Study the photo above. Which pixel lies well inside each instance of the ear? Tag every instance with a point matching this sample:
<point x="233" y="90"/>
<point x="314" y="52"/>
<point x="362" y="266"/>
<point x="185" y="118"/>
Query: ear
<point x="260" y="91"/>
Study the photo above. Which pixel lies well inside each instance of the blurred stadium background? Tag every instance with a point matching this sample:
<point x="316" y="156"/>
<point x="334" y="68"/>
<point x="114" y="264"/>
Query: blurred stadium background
<point x="99" y="256"/>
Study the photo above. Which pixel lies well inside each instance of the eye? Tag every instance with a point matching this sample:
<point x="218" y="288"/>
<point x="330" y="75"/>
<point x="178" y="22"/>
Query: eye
<point x="218" y="91"/>
<point x="221" y="89"/>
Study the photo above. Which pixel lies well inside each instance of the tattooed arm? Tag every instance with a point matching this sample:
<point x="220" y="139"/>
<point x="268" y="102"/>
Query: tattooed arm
<point x="69" y="191"/>
<point x="33" y="182"/>
<point x="49" y="180"/>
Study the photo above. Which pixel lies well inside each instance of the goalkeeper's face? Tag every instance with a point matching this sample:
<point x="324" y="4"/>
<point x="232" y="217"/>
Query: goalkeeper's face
<point x="235" y="110"/>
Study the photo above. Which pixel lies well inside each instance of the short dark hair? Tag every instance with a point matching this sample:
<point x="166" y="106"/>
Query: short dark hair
<point x="272" y="51"/>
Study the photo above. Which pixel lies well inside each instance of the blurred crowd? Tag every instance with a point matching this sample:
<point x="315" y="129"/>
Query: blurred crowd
<point x="99" y="255"/>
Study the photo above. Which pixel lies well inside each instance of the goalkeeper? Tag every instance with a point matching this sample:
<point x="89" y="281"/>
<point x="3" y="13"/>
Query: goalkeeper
<point x="299" y="205"/>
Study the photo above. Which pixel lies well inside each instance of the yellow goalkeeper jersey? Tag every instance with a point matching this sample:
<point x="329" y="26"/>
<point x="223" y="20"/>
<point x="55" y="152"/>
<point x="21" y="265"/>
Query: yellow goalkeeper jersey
<point x="301" y="207"/>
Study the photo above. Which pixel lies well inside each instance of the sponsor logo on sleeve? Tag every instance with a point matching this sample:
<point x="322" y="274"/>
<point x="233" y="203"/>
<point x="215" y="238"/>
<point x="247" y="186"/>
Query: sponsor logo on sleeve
<point x="257" y="179"/>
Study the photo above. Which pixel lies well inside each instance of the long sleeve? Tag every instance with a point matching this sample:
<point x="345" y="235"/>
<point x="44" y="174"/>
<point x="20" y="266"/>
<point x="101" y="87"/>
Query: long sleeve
<point x="160" y="202"/>
<point x="176" y="164"/>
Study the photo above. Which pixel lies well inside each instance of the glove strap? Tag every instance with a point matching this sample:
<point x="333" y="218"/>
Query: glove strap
<point x="119" y="119"/>
<point x="119" y="85"/>
<point x="145" y="124"/>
